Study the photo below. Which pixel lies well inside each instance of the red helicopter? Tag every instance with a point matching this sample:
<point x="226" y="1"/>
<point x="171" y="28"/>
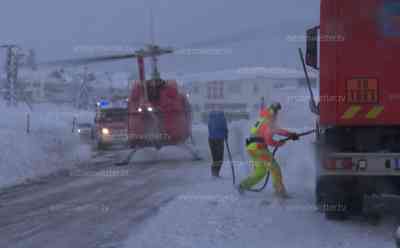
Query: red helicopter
<point x="159" y="114"/>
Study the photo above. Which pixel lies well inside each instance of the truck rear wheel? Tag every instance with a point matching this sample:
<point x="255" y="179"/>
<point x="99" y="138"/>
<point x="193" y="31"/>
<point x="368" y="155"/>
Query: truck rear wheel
<point x="355" y="203"/>
<point x="338" y="198"/>
<point x="335" y="209"/>
<point x="339" y="207"/>
<point x="330" y="199"/>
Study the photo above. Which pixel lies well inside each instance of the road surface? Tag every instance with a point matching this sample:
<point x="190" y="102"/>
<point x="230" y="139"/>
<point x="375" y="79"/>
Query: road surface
<point x="95" y="206"/>
<point x="165" y="201"/>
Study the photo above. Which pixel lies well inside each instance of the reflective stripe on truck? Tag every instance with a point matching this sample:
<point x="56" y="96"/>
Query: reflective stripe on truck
<point x="361" y="164"/>
<point x="354" y="110"/>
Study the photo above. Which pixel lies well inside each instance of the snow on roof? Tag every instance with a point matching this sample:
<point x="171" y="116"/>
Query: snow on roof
<point x="246" y="73"/>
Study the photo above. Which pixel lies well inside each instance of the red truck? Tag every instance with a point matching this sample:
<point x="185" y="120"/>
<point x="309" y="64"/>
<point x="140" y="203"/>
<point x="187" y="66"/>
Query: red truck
<point x="356" y="48"/>
<point x="111" y="127"/>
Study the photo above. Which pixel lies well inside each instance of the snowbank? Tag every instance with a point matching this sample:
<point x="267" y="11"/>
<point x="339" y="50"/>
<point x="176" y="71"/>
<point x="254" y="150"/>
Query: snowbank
<point x="213" y="214"/>
<point x="50" y="145"/>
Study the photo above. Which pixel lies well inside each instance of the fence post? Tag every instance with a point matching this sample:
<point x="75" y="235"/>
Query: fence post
<point x="74" y="124"/>
<point x="28" y="123"/>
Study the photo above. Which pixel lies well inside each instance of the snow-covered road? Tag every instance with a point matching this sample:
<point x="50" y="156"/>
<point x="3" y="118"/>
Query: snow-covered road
<point x="172" y="203"/>
<point x="96" y="206"/>
<point x="164" y="200"/>
<point x="213" y="214"/>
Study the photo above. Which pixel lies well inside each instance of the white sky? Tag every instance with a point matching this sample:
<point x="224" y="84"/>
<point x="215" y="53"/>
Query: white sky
<point x="55" y="28"/>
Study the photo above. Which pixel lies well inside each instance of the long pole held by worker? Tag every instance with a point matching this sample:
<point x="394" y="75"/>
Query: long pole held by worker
<point x="231" y="161"/>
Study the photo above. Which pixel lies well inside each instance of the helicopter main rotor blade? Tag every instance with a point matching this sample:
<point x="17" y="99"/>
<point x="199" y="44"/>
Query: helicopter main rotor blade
<point x="8" y="46"/>
<point x="151" y="50"/>
<point x="91" y="60"/>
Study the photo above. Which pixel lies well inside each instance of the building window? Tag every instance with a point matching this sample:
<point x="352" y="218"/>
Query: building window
<point x="221" y="90"/>
<point x="215" y="90"/>
<point x="210" y="91"/>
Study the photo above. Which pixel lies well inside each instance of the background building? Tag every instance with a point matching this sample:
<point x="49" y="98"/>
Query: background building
<point x="240" y="95"/>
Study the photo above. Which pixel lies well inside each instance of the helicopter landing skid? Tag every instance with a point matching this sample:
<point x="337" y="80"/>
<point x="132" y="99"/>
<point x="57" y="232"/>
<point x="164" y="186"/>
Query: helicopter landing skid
<point x="192" y="151"/>
<point x="127" y="160"/>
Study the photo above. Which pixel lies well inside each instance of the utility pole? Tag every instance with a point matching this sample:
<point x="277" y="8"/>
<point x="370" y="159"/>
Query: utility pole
<point x="11" y="67"/>
<point x="82" y="100"/>
<point x="14" y="59"/>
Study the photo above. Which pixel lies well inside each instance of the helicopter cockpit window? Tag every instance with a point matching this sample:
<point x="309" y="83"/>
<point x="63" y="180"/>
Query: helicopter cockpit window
<point x="153" y="89"/>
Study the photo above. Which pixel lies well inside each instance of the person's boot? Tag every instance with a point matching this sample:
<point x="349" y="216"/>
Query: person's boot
<point x="240" y="189"/>
<point x="281" y="192"/>
<point x="214" y="171"/>
<point x="218" y="171"/>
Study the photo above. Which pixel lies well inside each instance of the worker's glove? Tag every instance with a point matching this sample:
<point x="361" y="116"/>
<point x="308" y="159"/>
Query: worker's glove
<point x="294" y="136"/>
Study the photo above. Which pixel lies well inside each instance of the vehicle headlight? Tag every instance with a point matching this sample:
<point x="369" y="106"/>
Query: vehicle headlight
<point x="140" y="110"/>
<point x="150" y="109"/>
<point x="105" y="131"/>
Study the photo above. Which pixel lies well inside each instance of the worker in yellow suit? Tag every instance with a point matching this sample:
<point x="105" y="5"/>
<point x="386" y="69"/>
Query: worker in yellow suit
<point x="262" y="134"/>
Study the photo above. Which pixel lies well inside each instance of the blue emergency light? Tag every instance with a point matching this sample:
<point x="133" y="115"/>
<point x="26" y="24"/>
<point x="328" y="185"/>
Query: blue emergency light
<point x="103" y="104"/>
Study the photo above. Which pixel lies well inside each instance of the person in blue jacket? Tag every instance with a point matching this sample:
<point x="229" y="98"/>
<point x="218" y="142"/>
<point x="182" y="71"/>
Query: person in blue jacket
<point x="217" y="135"/>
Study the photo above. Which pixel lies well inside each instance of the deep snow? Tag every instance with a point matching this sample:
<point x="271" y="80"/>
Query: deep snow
<point x="210" y="213"/>
<point x="213" y="214"/>
<point x="50" y="146"/>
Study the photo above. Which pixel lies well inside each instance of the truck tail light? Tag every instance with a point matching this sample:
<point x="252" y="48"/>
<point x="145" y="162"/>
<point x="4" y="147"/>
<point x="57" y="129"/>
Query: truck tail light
<point x="339" y="164"/>
<point x="330" y="164"/>
<point x="347" y="164"/>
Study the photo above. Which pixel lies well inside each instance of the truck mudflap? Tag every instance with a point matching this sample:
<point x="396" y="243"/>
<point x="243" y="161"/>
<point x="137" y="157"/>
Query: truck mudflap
<point x="359" y="164"/>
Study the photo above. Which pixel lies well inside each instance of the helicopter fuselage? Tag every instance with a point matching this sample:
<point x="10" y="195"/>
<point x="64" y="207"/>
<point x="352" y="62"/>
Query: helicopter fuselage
<point x="159" y="115"/>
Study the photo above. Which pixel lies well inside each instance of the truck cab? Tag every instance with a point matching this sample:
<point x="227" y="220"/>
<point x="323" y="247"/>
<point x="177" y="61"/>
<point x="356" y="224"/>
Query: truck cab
<point x="111" y="127"/>
<point x="356" y="49"/>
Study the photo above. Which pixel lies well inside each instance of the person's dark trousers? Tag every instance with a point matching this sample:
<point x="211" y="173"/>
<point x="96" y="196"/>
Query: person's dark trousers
<point x="217" y="154"/>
